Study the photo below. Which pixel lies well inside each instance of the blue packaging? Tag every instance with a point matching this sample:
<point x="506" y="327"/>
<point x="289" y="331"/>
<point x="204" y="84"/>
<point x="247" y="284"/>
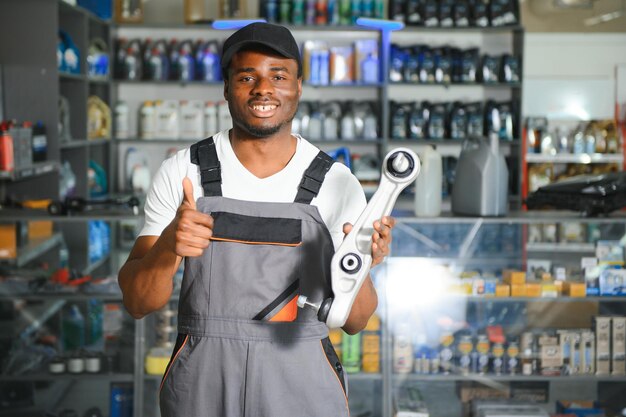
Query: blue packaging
<point x="613" y="280"/>
<point x="102" y="9"/>
<point x="324" y="67"/>
<point x="121" y="400"/>
<point x="314" y="75"/>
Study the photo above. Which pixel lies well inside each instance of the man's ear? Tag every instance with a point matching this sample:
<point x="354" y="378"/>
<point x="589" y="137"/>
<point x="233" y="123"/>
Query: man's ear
<point x="226" y="89"/>
<point x="299" y="88"/>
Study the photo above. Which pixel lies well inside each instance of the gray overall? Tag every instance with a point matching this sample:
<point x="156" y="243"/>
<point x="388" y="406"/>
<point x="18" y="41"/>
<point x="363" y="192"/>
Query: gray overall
<point x="244" y="349"/>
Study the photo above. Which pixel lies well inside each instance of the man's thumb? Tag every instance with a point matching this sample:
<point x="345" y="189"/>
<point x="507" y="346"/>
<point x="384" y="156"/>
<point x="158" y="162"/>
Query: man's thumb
<point x="188" y="193"/>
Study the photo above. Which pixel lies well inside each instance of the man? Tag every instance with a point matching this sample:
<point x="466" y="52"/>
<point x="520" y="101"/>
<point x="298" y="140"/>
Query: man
<point x="272" y="208"/>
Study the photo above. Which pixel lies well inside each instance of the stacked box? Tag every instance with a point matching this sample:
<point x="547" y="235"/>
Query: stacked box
<point x="618" y="344"/>
<point x="603" y="345"/>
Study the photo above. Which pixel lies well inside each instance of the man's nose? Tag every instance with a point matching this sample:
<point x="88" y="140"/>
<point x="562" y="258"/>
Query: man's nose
<point x="262" y="86"/>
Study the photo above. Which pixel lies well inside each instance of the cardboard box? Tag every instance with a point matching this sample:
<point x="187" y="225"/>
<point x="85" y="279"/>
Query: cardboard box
<point x="575" y="289"/>
<point x="588" y="353"/>
<point x="613" y="281"/>
<point x="550" y="354"/>
<point x="511" y="277"/>
<point x="533" y="289"/>
<point x="39" y="229"/>
<point x="565" y="343"/>
<point x="603" y="345"/>
<point x="8" y="240"/>
<point x="518" y="290"/>
<point x="618" y="346"/>
<point x="503" y="290"/>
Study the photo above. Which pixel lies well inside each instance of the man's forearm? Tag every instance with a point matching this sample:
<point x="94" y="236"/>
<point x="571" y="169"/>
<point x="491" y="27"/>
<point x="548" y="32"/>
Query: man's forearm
<point x="364" y="306"/>
<point x="146" y="281"/>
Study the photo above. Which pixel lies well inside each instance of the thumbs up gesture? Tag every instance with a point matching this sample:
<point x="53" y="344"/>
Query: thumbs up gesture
<point x="193" y="229"/>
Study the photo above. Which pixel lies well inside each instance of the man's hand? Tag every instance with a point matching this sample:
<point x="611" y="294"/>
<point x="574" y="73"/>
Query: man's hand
<point x="381" y="238"/>
<point x="192" y="228"/>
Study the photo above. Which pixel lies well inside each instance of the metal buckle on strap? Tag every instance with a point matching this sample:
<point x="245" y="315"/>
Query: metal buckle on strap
<point x="310" y="184"/>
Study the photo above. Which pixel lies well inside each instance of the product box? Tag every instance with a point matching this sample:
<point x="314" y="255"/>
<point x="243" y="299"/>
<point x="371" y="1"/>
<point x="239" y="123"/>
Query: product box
<point x="588" y="353"/>
<point x="579" y="408"/>
<point x="12" y="236"/>
<point x="575" y="289"/>
<point x="537" y="267"/>
<point x="610" y="252"/>
<point x="591" y="274"/>
<point x="341" y="65"/>
<point x="565" y="343"/>
<point x="503" y="290"/>
<point x="533" y="289"/>
<point x="618" y="345"/>
<point x="550" y="355"/>
<point x="576" y="360"/>
<point x="315" y="62"/>
<point x="518" y="290"/>
<point x="366" y="50"/>
<point x="603" y="345"/>
<point x="549" y="290"/>
<point x="511" y="277"/>
<point x="613" y="281"/>
<point x="370" y="346"/>
<point x="40" y="229"/>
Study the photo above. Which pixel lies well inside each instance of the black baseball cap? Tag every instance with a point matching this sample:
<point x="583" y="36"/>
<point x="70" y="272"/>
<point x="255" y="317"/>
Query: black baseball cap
<point x="275" y="37"/>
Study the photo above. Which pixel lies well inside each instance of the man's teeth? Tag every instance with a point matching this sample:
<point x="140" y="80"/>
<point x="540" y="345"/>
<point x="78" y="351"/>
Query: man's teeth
<point x="264" y="108"/>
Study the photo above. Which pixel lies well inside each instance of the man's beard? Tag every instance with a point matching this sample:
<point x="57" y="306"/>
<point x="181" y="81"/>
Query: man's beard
<point x="265" y="131"/>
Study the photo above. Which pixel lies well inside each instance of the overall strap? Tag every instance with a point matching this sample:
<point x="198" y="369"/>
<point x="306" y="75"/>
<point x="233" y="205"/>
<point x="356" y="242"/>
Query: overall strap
<point x="313" y="178"/>
<point x="204" y="154"/>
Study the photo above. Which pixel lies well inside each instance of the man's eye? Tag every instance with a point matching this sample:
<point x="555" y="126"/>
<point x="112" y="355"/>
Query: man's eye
<point x="280" y="77"/>
<point x="246" y="79"/>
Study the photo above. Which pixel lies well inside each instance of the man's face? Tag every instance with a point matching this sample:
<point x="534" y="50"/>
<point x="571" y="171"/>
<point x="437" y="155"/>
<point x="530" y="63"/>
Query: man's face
<point x="262" y="90"/>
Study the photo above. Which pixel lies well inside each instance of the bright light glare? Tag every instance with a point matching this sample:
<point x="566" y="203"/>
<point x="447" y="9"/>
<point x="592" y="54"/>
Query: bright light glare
<point x="420" y="283"/>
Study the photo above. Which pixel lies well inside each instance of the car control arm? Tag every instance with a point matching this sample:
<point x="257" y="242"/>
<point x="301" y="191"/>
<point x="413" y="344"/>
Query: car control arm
<point x="351" y="262"/>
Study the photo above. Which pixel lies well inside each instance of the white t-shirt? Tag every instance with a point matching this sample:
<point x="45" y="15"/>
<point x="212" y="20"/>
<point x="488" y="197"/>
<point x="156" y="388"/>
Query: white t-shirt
<point x="340" y="200"/>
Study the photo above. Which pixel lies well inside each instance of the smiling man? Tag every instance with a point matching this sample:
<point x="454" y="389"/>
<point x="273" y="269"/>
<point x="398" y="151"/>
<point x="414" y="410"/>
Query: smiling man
<point x="256" y="213"/>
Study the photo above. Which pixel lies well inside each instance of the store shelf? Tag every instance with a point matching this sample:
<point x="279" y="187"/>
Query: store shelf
<point x="152" y="83"/>
<point x="84" y="376"/>
<point x="10" y="215"/>
<point x="38" y="168"/>
<point x="561" y="247"/>
<point x="79" y="143"/>
<point x="518" y="217"/>
<point x="455" y="85"/>
<point x="98" y="80"/>
<point x="207" y="26"/>
<point x="63" y="296"/>
<point x="364" y="376"/>
<point x="173" y="141"/>
<point x="66" y="76"/>
<point x="489" y="378"/>
<point x="596" y="158"/>
<point x="33" y="249"/>
<point x="344" y="85"/>
<point x="488" y="29"/>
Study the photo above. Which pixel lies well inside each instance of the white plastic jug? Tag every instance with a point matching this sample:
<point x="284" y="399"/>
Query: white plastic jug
<point x="428" y="184"/>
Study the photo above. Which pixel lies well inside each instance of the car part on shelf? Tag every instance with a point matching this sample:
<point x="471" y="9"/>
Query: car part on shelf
<point x="589" y="194"/>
